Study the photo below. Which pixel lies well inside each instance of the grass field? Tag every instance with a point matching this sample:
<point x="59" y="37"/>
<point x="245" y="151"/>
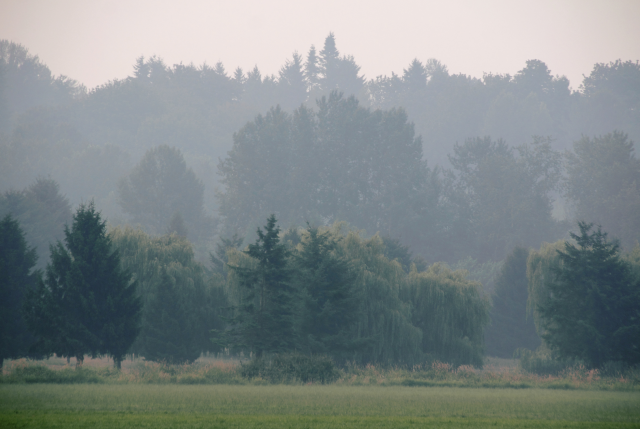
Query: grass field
<point x="223" y="406"/>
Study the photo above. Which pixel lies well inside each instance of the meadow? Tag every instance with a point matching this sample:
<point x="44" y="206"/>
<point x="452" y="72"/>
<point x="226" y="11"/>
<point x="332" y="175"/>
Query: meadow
<point x="315" y="406"/>
<point x="210" y="393"/>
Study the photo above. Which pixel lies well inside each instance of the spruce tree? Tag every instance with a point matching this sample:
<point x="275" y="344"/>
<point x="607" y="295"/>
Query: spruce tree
<point x="592" y="311"/>
<point x="330" y="299"/>
<point x="263" y="322"/>
<point x="86" y="304"/>
<point x="16" y="278"/>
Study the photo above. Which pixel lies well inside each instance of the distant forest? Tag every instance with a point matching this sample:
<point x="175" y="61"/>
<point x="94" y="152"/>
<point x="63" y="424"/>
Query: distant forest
<point x="435" y="171"/>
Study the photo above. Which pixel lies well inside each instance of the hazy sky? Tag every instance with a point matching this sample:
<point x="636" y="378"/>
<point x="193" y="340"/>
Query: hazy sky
<point x="94" y="41"/>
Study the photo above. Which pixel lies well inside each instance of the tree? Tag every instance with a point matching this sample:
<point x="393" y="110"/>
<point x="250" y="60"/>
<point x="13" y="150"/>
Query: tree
<point x="168" y="324"/>
<point x="338" y="73"/>
<point x="17" y="277"/>
<point x="511" y="328"/>
<point x="592" y="311"/>
<point x="263" y="322"/>
<point x="292" y="88"/>
<point x="330" y="298"/>
<point x="87" y="303"/>
<point x="451" y="312"/>
<point x="180" y="304"/>
<point x="42" y="212"/>
<point x="603" y="182"/>
<point x="504" y="199"/>
<point x="158" y="187"/>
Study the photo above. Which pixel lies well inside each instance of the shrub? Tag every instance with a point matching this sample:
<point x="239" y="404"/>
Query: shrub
<point x="292" y="367"/>
<point x="542" y="362"/>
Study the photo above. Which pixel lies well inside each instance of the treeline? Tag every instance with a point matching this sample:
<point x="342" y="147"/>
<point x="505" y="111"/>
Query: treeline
<point x="315" y="291"/>
<point x="397" y="158"/>
<point x="54" y="126"/>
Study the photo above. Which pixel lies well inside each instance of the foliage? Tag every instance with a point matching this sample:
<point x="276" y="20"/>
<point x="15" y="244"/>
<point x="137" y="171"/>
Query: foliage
<point x="511" y="328"/>
<point x="86" y="303"/>
<point x="161" y="187"/>
<point x="542" y="361"/>
<point x="42" y="212"/>
<point x="292" y="367"/>
<point x="263" y="320"/>
<point x="592" y="310"/>
<point x="603" y="181"/>
<point x="330" y="299"/>
<point x="17" y="277"/>
<point x="341" y="163"/>
<point x="384" y="322"/>
<point x="504" y="199"/>
<point x="220" y="258"/>
<point x="451" y="312"/>
<point x="181" y="305"/>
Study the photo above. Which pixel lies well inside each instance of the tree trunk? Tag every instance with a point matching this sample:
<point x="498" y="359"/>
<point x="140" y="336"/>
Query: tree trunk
<point x="68" y="360"/>
<point x="79" y="361"/>
<point x="117" y="363"/>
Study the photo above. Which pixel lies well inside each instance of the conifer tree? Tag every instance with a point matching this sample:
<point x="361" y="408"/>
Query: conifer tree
<point x="311" y="69"/>
<point x="330" y="298"/>
<point x="86" y="304"/>
<point x="592" y="311"/>
<point x="263" y="322"/>
<point x="17" y="277"/>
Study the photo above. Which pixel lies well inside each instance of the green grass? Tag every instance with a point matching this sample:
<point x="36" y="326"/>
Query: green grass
<point x="176" y="406"/>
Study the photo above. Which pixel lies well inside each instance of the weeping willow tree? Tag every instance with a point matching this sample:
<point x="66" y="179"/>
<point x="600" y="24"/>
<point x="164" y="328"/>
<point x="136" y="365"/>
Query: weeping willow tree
<point x="451" y="311"/>
<point x="173" y="287"/>
<point x="540" y="266"/>
<point x="384" y="320"/>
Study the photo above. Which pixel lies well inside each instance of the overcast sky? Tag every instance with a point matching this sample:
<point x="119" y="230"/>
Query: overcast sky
<point x="95" y="41"/>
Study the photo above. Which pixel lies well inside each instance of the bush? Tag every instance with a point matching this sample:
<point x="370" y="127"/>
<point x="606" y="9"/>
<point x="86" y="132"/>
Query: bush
<point x="292" y="367"/>
<point x="542" y="362"/>
<point x="42" y="374"/>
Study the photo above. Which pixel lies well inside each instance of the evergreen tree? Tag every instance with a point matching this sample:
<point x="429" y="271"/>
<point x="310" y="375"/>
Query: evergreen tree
<point x="510" y="327"/>
<point x="263" y="322"/>
<point x="592" y="311"/>
<point x="311" y="70"/>
<point x="16" y="278"/>
<point x="86" y="303"/>
<point x="330" y="299"/>
<point x="292" y="88"/>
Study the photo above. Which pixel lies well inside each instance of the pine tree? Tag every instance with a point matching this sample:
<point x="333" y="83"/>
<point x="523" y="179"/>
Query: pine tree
<point x="86" y="303"/>
<point x="264" y="317"/>
<point x="16" y="278"/>
<point x="330" y="299"/>
<point x="311" y="70"/>
<point x="592" y="311"/>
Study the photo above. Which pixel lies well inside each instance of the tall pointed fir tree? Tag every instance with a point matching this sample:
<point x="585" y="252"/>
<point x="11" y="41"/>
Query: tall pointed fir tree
<point x="592" y="311"/>
<point x="86" y="304"/>
<point x="263" y="320"/>
<point x="330" y="297"/>
<point x="16" y="278"/>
